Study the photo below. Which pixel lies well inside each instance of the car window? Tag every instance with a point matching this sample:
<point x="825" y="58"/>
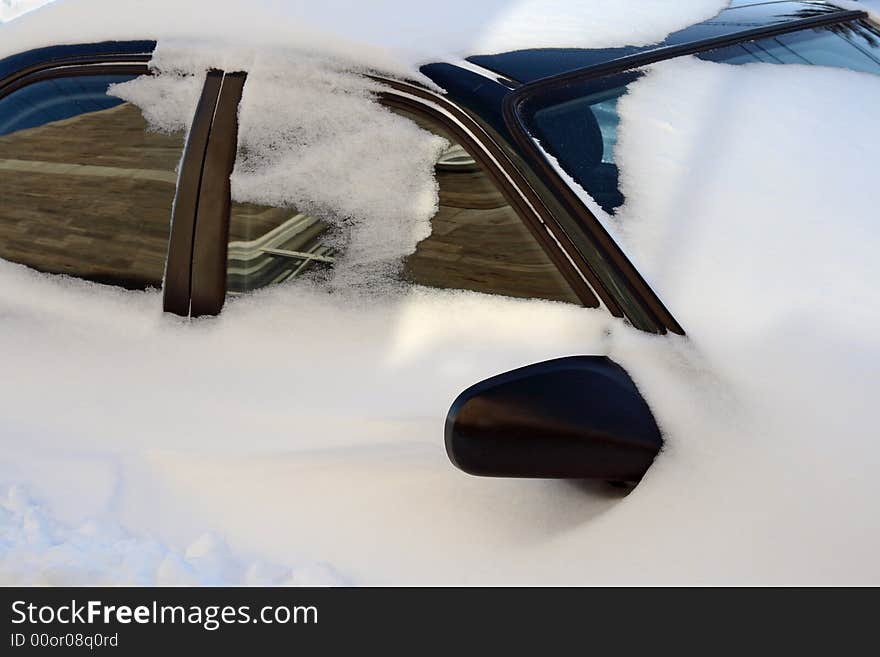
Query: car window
<point x="86" y="188"/>
<point x="578" y="124"/>
<point x="478" y="242"/>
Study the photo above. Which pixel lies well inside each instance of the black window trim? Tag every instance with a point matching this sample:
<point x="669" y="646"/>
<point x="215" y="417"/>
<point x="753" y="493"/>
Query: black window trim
<point x="15" y="82"/>
<point x="57" y="67"/>
<point x="515" y="119"/>
<point x="211" y="229"/>
<point x="177" y="282"/>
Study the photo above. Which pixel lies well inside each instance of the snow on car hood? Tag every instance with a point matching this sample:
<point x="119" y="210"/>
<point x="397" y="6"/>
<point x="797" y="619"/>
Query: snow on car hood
<point x="388" y="35"/>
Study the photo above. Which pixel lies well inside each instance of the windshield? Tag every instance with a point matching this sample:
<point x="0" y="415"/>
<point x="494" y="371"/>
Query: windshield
<point x="577" y="124"/>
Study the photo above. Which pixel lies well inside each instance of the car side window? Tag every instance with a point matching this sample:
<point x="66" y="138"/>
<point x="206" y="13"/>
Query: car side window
<point x="478" y="241"/>
<point x="86" y="189"/>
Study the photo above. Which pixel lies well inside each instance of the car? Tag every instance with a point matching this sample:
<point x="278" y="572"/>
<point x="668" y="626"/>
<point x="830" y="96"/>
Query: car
<point x="512" y="220"/>
<point x="156" y="198"/>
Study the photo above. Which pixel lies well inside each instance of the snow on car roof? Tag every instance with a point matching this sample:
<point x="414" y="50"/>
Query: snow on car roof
<point x="388" y="35"/>
<point x="535" y="63"/>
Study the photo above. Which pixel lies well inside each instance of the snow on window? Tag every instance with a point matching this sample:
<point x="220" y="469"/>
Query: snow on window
<point x="314" y="137"/>
<point x="167" y="102"/>
<point x="748" y="191"/>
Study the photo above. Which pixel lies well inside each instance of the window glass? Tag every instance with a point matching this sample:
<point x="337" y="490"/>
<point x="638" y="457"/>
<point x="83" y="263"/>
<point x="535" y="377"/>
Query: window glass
<point x="271" y="245"/>
<point x="477" y="241"/>
<point x="86" y="188"/>
<point x="578" y="124"/>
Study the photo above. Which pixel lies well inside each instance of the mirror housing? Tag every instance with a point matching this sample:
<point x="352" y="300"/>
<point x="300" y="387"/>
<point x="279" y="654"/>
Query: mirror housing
<point x="577" y="417"/>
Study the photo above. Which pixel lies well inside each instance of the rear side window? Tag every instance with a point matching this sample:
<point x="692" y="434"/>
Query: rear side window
<point x="86" y="188"/>
<point x="478" y="242"/>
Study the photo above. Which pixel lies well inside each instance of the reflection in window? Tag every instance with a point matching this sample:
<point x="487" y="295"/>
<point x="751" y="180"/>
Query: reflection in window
<point x="271" y="245"/>
<point x="85" y="188"/>
<point x="478" y="242"/>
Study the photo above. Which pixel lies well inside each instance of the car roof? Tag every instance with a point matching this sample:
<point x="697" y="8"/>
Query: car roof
<point x="524" y="66"/>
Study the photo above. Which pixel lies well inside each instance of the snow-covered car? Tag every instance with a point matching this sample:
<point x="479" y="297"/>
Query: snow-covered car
<point x="498" y="177"/>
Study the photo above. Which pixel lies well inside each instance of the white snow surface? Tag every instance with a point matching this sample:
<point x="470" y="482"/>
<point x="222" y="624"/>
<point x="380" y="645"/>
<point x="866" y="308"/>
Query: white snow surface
<point x="388" y="35"/>
<point x="37" y="550"/>
<point x="10" y="9"/>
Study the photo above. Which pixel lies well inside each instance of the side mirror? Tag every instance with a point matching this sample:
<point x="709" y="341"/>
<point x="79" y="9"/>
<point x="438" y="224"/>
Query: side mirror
<point x="577" y="417"/>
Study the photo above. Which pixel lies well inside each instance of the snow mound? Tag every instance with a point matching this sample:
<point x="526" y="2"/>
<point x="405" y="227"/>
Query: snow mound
<point x="353" y="163"/>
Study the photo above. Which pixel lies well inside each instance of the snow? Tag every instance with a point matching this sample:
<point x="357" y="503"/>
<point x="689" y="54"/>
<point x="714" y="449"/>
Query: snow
<point x="297" y="438"/>
<point x="389" y="35"/>
<point x="754" y="217"/>
<point x="167" y="102"/>
<point x="10" y="9"/>
<point x="37" y="549"/>
<point x="299" y="426"/>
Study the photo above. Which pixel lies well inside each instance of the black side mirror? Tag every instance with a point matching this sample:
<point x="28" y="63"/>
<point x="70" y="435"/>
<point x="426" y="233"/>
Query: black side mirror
<point x="578" y="417"/>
